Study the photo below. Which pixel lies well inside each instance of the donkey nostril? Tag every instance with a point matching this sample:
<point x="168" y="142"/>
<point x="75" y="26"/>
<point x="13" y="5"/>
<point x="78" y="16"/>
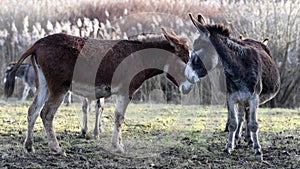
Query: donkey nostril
<point x="107" y="88"/>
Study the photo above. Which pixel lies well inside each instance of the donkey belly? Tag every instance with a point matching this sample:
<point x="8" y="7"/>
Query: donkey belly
<point x="91" y="91"/>
<point x="270" y="80"/>
<point x="270" y="89"/>
<point x="241" y="97"/>
<point x="265" y="97"/>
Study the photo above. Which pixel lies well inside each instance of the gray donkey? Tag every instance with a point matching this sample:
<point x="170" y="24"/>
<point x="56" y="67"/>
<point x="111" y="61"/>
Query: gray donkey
<point x="252" y="77"/>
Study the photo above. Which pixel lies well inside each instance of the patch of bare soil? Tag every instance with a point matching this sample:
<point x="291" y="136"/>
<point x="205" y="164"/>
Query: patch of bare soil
<point x="151" y="150"/>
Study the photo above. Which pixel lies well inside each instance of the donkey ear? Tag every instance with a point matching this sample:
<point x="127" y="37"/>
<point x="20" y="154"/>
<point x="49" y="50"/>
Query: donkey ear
<point x="173" y="32"/>
<point x="201" y="19"/>
<point x="242" y="37"/>
<point x="199" y="25"/>
<point x="266" y="40"/>
<point x="174" y="41"/>
<point x="183" y="40"/>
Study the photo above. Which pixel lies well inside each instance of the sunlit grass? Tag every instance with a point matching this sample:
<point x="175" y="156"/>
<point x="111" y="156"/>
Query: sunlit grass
<point x="147" y="118"/>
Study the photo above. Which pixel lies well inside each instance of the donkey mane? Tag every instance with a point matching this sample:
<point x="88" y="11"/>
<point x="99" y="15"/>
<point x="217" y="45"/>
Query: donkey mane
<point x="147" y="37"/>
<point x="225" y="31"/>
<point x="153" y="37"/>
<point x="159" y="38"/>
<point x="219" y="29"/>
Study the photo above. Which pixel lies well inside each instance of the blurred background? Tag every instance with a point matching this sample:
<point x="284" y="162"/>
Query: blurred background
<point x="24" y="22"/>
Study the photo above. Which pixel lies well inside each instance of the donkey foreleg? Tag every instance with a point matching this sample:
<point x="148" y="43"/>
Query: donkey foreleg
<point x="25" y="92"/>
<point x="98" y="121"/>
<point x="120" y="108"/>
<point x="47" y="115"/>
<point x="241" y="119"/>
<point x="228" y="119"/>
<point x="253" y="126"/>
<point x="232" y="125"/>
<point x="85" y="109"/>
<point x="248" y="138"/>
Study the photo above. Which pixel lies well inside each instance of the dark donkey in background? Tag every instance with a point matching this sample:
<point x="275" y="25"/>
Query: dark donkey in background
<point x="252" y="77"/>
<point x="116" y="67"/>
<point x="24" y="73"/>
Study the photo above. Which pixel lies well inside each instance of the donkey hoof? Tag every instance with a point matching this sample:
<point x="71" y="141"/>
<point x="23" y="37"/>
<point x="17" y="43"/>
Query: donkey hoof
<point x="228" y="150"/>
<point x="119" y="150"/>
<point x="96" y="133"/>
<point x="29" y="150"/>
<point x="96" y="136"/>
<point x="80" y="136"/>
<point x="249" y="142"/>
<point x="83" y="135"/>
<point x="226" y="129"/>
<point x="62" y="153"/>
<point x="258" y="155"/>
<point x="237" y="143"/>
<point x="58" y="152"/>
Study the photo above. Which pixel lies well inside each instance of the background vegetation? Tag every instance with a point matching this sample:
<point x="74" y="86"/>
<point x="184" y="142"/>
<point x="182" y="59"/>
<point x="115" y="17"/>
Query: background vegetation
<point x="23" y="22"/>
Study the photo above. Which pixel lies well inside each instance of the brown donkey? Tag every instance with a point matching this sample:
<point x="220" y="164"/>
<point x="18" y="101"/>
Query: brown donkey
<point x="252" y="77"/>
<point x="97" y="69"/>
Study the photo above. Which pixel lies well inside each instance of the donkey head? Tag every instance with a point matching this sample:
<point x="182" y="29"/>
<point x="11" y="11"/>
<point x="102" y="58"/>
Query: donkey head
<point x="203" y="56"/>
<point x="8" y="69"/>
<point x="182" y="51"/>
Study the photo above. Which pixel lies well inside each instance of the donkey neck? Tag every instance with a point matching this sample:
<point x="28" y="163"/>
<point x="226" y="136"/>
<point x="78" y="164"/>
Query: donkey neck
<point x="156" y="44"/>
<point x="161" y="53"/>
<point x="241" y="64"/>
<point x="229" y="51"/>
<point x="132" y="62"/>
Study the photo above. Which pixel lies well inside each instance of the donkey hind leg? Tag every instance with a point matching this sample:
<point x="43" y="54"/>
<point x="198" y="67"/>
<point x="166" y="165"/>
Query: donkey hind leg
<point x="98" y="121"/>
<point x="120" y="108"/>
<point x="248" y="138"/>
<point x="47" y="115"/>
<point x="85" y="110"/>
<point x="33" y="113"/>
<point x="253" y="126"/>
<point x="25" y="92"/>
<point x="228" y="119"/>
<point x="35" y="109"/>
<point x="241" y="119"/>
<point x="68" y="98"/>
<point x="232" y="125"/>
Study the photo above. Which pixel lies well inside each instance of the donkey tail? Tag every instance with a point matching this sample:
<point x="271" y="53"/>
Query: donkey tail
<point x="10" y="78"/>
